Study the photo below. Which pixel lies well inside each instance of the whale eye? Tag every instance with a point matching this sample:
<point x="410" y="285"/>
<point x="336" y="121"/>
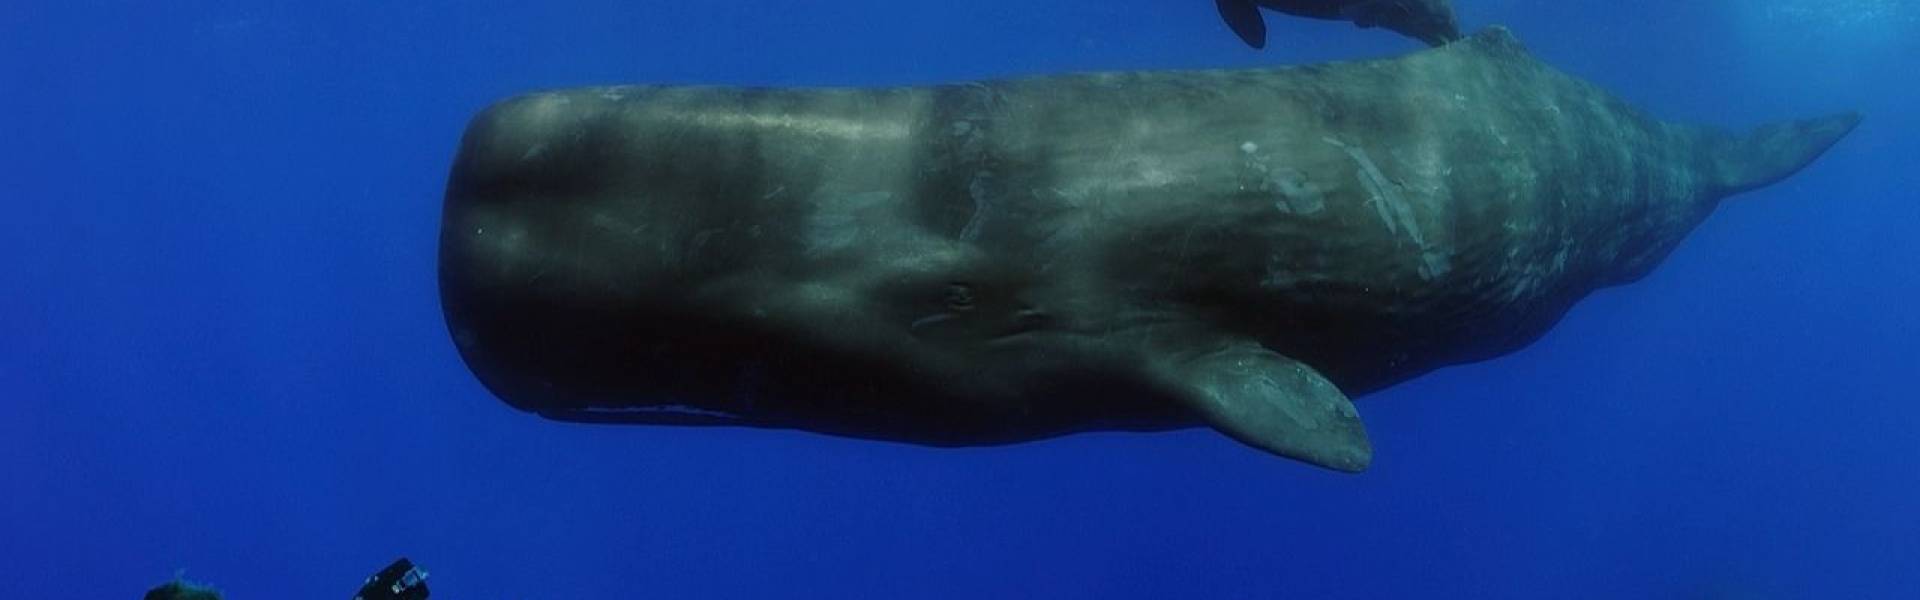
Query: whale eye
<point x="960" y="296"/>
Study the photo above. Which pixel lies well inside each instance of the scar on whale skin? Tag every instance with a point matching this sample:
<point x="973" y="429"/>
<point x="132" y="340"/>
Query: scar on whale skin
<point x="1384" y="195"/>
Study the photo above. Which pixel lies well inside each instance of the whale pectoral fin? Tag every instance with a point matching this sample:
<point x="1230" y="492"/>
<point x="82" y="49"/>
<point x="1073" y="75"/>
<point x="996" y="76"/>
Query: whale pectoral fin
<point x="1276" y="404"/>
<point x="1243" y="16"/>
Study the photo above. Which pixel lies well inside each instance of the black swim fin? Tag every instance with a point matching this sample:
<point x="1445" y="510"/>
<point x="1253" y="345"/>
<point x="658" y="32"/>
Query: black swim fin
<point x="1243" y="16"/>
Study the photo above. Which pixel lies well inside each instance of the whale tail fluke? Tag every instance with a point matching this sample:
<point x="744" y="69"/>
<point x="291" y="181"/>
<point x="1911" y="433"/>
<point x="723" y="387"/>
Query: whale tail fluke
<point x="1742" y="163"/>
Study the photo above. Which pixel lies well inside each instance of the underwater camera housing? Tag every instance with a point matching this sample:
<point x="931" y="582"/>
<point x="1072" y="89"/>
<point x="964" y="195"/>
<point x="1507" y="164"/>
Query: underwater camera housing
<point x="399" y="581"/>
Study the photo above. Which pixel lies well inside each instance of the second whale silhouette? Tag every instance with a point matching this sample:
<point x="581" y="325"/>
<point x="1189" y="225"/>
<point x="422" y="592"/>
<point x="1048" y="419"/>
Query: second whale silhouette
<point x="1429" y="21"/>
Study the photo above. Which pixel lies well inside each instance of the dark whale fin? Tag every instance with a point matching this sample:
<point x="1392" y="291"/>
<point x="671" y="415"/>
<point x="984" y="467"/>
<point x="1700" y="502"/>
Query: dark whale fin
<point x="1276" y="404"/>
<point x="1773" y="152"/>
<point x="1243" y="16"/>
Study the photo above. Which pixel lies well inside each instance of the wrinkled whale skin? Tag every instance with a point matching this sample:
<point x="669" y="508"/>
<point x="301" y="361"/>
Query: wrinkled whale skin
<point x="1003" y="261"/>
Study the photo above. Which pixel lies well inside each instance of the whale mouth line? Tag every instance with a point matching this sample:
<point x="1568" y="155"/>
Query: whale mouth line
<point x="1016" y="337"/>
<point x="932" y="319"/>
<point x="659" y="409"/>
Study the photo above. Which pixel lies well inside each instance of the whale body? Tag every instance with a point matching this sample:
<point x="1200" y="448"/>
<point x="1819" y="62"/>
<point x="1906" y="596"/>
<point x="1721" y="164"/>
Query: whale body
<point x="1002" y="261"/>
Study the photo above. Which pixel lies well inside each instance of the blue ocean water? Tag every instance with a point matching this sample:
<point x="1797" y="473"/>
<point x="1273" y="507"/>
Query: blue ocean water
<point x="221" y="349"/>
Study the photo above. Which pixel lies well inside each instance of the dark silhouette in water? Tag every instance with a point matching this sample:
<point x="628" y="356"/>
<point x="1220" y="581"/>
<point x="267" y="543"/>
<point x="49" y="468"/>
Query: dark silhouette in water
<point x="1010" y="260"/>
<point x="179" y="589"/>
<point x="1429" y="21"/>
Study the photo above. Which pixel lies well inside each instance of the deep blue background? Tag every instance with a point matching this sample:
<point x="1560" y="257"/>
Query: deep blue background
<point x="221" y="348"/>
